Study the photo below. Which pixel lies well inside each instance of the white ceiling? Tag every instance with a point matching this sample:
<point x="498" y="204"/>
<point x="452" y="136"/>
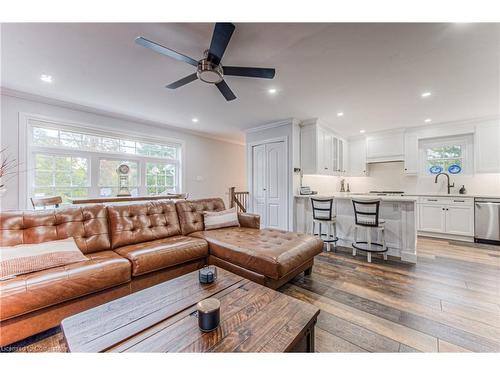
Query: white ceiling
<point x="374" y="73"/>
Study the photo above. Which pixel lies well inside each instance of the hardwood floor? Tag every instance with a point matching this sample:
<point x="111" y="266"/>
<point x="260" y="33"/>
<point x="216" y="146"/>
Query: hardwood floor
<point x="448" y="302"/>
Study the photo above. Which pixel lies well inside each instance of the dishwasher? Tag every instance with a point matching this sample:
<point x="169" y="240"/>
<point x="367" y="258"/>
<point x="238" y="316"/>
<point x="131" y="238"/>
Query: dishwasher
<point x="487" y="220"/>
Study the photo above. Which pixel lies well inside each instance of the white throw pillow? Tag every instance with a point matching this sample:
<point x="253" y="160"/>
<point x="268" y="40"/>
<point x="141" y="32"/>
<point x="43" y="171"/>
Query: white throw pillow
<point x="221" y="219"/>
<point x="26" y="258"/>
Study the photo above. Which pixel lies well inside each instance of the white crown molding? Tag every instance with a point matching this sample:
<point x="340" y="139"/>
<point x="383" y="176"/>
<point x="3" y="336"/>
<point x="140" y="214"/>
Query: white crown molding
<point x="436" y="125"/>
<point x="102" y="112"/>
<point x="270" y="125"/>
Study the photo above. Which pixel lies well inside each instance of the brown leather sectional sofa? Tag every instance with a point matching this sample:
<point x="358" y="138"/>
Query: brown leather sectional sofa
<point x="132" y="247"/>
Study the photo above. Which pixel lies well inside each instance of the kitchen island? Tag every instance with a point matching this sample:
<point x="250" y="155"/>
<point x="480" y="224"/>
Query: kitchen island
<point x="399" y="213"/>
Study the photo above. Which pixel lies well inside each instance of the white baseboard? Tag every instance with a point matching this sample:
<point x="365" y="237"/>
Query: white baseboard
<point x="446" y="236"/>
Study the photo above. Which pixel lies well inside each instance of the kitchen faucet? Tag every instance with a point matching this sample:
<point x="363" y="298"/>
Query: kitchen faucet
<point x="448" y="177"/>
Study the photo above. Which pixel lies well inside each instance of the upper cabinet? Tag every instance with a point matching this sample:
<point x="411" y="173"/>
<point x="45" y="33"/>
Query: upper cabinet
<point x="321" y="150"/>
<point x="411" y="153"/>
<point x="357" y="158"/>
<point x="487" y="148"/>
<point x="387" y="146"/>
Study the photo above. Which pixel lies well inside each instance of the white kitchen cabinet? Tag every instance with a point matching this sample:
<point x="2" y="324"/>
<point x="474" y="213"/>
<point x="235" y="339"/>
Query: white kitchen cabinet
<point x="410" y="153"/>
<point x="446" y="216"/>
<point x="487" y="147"/>
<point x="321" y="151"/>
<point x="343" y="155"/>
<point x="357" y="158"/>
<point x="387" y="146"/>
<point x="460" y="220"/>
<point x="432" y="218"/>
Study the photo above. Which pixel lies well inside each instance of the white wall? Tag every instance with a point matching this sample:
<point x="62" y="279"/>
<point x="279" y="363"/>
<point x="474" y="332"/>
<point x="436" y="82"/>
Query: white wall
<point x="390" y="176"/>
<point x="211" y="166"/>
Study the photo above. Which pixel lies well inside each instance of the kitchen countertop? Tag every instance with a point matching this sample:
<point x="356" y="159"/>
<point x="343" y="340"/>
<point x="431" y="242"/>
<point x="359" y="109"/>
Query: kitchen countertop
<point x="453" y="195"/>
<point x="383" y="198"/>
<point x="404" y="197"/>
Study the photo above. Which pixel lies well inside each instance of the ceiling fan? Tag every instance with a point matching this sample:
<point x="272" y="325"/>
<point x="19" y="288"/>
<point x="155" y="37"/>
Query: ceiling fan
<point x="209" y="69"/>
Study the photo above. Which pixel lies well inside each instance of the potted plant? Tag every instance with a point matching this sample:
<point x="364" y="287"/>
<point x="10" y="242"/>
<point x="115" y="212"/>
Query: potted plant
<point x="8" y="170"/>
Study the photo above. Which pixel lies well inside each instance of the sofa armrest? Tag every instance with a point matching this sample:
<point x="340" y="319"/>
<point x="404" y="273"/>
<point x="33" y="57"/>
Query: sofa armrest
<point x="249" y="220"/>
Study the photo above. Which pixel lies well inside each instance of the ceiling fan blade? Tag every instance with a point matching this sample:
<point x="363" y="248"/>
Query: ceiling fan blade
<point x="165" y="51"/>
<point x="225" y="90"/>
<point x="183" y="81"/>
<point x="249" y="72"/>
<point x="220" y="40"/>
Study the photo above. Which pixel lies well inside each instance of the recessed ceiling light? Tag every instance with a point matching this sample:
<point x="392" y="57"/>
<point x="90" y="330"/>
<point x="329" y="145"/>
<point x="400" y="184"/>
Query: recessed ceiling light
<point x="194" y="119"/>
<point x="362" y="131"/>
<point x="426" y="94"/>
<point x="272" y="91"/>
<point x="427" y="120"/>
<point x="340" y="114"/>
<point x="46" y="78"/>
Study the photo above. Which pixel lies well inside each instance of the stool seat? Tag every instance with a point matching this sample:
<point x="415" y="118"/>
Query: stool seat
<point x="367" y="223"/>
<point x="333" y="220"/>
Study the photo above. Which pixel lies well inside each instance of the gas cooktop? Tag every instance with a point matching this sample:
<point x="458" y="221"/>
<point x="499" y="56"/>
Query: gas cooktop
<point x="387" y="192"/>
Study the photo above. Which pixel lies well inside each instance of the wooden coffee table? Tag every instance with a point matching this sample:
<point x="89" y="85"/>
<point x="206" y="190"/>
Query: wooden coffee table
<point x="163" y="319"/>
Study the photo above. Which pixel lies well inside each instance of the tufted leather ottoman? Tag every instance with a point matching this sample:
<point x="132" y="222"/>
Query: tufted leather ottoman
<point x="275" y="254"/>
<point x="267" y="256"/>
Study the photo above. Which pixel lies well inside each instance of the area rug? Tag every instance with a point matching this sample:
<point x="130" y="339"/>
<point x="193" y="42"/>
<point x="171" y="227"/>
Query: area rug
<point x="51" y="340"/>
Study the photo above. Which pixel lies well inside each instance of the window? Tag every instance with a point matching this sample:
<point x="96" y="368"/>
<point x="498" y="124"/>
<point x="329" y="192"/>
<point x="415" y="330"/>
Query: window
<point x="445" y="158"/>
<point x="449" y="155"/>
<point x="72" y="162"/>
<point x="62" y="175"/>
<point x="88" y="142"/>
<point x="108" y="177"/>
<point x="160" y="178"/>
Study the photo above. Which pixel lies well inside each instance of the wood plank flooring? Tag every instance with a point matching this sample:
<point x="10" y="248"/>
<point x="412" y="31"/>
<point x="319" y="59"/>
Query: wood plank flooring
<point x="448" y="302"/>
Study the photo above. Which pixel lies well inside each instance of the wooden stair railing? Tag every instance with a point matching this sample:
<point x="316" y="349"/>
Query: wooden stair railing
<point x="238" y="199"/>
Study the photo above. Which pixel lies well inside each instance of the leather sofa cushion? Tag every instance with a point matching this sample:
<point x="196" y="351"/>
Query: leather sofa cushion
<point x="191" y="213"/>
<point x="167" y="252"/>
<point x="269" y="252"/>
<point x="141" y="222"/>
<point x="87" y="225"/>
<point x="33" y="291"/>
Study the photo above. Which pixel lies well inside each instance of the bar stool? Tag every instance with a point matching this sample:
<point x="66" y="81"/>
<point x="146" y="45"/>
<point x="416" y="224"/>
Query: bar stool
<point x="322" y="210"/>
<point x="366" y="215"/>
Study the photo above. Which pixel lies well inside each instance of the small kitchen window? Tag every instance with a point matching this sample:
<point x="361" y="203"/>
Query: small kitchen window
<point x="452" y="155"/>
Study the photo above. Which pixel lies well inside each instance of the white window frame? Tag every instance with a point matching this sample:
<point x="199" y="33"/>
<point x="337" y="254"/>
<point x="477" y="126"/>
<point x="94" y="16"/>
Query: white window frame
<point x="55" y="152"/>
<point x="162" y="161"/>
<point x="27" y="150"/>
<point x="467" y="143"/>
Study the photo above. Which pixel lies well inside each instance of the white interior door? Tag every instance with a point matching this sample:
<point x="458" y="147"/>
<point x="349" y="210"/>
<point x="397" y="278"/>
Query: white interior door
<point x="259" y="181"/>
<point x="270" y="184"/>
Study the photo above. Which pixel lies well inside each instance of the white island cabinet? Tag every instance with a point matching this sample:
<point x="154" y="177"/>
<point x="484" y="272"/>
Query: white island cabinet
<point x="398" y="212"/>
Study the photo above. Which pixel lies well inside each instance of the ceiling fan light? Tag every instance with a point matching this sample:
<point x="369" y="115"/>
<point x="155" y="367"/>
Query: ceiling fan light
<point x="209" y="72"/>
<point x="209" y="76"/>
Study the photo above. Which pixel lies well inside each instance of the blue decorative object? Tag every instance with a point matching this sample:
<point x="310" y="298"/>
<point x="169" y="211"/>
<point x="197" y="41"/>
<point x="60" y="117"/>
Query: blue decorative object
<point x="454" y="169"/>
<point x="435" y="169"/>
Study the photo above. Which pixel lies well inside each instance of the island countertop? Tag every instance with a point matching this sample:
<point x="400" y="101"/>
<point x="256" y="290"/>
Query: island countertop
<point x="339" y="195"/>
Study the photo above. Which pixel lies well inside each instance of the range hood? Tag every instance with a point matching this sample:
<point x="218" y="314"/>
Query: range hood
<point x="386" y="159"/>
